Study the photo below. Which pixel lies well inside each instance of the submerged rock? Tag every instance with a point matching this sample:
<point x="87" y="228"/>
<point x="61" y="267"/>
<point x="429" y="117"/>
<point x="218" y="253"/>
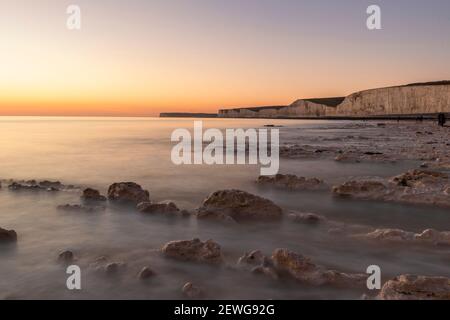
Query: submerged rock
<point x="411" y="287"/>
<point x="168" y="208"/>
<point x="257" y="263"/>
<point x="307" y="218"/>
<point x="252" y="259"/>
<point x="128" y="192"/>
<point x="363" y="189"/>
<point x="80" y="208"/>
<point x="194" y="250"/>
<point x="7" y="236"/>
<point x="90" y="194"/>
<point x="239" y="206"/>
<point x="191" y="291"/>
<point x="429" y="236"/>
<point x="114" y="268"/>
<point x="390" y="235"/>
<point x="291" y="182"/>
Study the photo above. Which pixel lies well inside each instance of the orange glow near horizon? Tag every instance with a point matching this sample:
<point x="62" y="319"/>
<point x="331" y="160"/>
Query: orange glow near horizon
<point x="141" y="58"/>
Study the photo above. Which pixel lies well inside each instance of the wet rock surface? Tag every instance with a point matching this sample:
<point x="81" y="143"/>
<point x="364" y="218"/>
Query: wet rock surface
<point x="411" y="287"/>
<point x="371" y="142"/>
<point x="167" y="208"/>
<point x="208" y="252"/>
<point x="415" y="187"/>
<point x="304" y="270"/>
<point x="128" y="193"/>
<point x="34" y="185"/>
<point x="239" y="206"/>
<point x="429" y="236"/>
<point x="287" y="263"/>
<point x="92" y="195"/>
<point x="291" y="182"/>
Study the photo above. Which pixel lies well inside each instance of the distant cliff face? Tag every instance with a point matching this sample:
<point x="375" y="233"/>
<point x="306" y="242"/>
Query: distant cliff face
<point x="404" y="100"/>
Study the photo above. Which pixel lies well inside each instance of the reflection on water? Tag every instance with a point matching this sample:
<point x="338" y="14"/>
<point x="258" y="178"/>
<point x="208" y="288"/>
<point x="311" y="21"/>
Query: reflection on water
<point x="97" y="152"/>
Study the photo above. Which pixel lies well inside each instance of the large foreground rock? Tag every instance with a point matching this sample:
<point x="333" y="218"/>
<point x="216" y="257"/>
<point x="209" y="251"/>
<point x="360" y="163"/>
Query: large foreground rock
<point x="239" y="206"/>
<point x="7" y="236"/>
<point x="128" y="193"/>
<point x="410" y="287"/>
<point x="194" y="250"/>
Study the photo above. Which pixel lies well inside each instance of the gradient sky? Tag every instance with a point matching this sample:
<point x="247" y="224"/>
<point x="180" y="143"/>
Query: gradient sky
<point x="142" y="57"/>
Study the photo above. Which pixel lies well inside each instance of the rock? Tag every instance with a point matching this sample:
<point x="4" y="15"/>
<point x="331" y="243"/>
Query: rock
<point x="413" y="187"/>
<point x="433" y="236"/>
<point x="429" y="236"/>
<point x="240" y="206"/>
<point x="361" y="189"/>
<point x="7" y="236"/>
<point x="80" y="208"/>
<point x="390" y="235"/>
<point x="194" y="250"/>
<point x="191" y="291"/>
<point x="51" y="184"/>
<point x="92" y="195"/>
<point x="168" y="208"/>
<point x="411" y="287"/>
<point x="291" y="182"/>
<point x="66" y="257"/>
<point x="447" y="191"/>
<point x="419" y="178"/>
<point x="128" y="192"/>
<point x="146" y="273"/>
<point x="252" y="259"/>
<point x="114" y="268"/>
<point x="257" y="263"/>
<point x="32" y="185"/>
<point x="303" y="270"/>
<point x="298" y="266"/>
<point x="15" y="186"/>
<point x="307" y="218"/>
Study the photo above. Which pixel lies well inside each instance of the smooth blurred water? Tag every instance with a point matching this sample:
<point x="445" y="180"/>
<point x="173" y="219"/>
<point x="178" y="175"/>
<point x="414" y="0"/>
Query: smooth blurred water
<point x="96" y="152"/>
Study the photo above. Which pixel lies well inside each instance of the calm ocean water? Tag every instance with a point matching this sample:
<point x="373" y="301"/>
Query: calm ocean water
<point x="96" y="152"/>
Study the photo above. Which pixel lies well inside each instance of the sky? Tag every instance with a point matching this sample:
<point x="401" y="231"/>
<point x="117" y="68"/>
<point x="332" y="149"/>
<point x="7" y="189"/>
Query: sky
<point x="143" y="57"/>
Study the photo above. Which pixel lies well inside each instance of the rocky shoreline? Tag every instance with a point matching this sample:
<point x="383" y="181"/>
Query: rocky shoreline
<point x="428" y="185"/>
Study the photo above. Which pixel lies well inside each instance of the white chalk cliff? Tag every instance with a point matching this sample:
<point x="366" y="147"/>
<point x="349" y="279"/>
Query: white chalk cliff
<point x="414" y="99"/>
